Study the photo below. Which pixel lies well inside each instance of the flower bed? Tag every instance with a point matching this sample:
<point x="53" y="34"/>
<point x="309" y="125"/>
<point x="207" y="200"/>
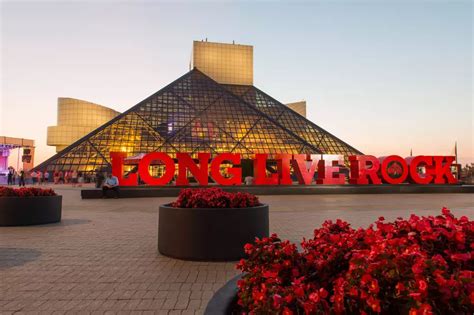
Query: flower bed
<point x="214" y="198"/>
<point x="25" y="192"/>
<point x="29" y="206"/>
<point x="210" y="224"/>
<point x="416" y="266"/>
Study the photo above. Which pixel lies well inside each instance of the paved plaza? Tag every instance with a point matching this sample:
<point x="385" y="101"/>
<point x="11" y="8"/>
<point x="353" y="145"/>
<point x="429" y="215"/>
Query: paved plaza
<point x="102" y="257"/>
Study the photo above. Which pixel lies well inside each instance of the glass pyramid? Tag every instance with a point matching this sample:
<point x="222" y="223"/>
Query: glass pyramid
<point x="196" y="114"/>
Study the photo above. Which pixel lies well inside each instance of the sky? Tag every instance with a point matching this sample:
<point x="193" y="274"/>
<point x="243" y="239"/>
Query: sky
<point x="384" y="76"/>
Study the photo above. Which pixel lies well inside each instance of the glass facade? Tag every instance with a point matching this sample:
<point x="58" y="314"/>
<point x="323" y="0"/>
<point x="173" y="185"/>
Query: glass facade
<point x="292" y="121"/>
<point x="197" y="114"/>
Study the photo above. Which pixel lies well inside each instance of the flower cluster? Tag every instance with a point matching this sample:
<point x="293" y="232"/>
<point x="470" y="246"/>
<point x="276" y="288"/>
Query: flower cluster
<point x="423" y="265"/>
<point x="25" y="192"/>
<point x="214" y="198"/>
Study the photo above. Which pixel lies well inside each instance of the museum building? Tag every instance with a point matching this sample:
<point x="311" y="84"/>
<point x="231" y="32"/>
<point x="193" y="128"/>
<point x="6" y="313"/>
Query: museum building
<point x="213" y="108"/>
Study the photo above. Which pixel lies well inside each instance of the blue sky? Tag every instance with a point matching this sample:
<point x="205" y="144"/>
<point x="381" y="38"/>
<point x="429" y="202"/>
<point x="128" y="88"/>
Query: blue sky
<point x="383" y="76"/>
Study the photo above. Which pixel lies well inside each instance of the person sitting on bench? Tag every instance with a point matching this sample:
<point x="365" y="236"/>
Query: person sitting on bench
<point x="111" y="183"/>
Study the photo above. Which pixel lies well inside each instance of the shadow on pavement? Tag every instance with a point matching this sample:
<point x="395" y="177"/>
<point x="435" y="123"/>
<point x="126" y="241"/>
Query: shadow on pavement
<point x="72" y="222"/>
<point x="11" y="257"/>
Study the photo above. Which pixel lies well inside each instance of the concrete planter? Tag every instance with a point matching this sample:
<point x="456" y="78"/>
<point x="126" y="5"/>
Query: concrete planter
<point x="224" y="301"/>
<point x="16" y="211"/>
<point x="212" y="234"/>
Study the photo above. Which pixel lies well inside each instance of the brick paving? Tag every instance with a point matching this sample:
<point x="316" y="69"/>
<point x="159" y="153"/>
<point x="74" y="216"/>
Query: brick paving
<point x="103" y="259"/>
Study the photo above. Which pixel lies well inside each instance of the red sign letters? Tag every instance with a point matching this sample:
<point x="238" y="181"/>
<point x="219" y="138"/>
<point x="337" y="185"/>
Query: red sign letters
<point x="364" y="169"/>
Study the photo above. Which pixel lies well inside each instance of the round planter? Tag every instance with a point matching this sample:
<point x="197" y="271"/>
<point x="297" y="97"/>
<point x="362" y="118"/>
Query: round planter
<point x="30" y="210"/>
<point x="217" y="234"/>
<point x="223" y="302"/>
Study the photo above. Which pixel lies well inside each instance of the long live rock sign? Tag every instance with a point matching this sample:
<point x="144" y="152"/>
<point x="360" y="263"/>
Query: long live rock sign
<point x="364" y="169"/>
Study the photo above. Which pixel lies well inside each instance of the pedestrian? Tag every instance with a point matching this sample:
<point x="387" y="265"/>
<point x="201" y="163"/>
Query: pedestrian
<point x="21" y="182"/>
<point x="61" y="177"/>
<point x="80" y="179"/>
<point x="99" y="178"/>
<point x="11" y="174"/>
<point x="33" y="177"/>
<point x="39" y="177"/>
<point x="73" y="175"/>
<point x="46" y="177"/>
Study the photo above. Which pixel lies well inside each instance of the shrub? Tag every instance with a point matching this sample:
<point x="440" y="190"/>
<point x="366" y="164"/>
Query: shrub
<point x="416" y="266"/>
<point x="25" y="192"/>
<point x="214" y="198"/>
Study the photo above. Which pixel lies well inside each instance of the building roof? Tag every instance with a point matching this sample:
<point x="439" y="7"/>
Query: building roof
<point x="16" y="142"/>
<point x="196" y="114"/>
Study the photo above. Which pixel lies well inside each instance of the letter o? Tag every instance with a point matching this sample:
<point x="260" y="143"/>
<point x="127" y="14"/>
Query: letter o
<point x="385" y="173"/>
<point x="156" y="181"/>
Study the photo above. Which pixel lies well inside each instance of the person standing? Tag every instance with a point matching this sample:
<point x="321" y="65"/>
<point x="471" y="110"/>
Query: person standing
<point x="46" y="177"/>
<point x="73" y="175"/>
<point x="33" y="177"/>
<point x="99" y="178"/>
<point x="80" y="179"/>
<point x="21" y="182"/>
<point x="111" y="183"/>
<point x="10" y="176"/>
<point x="39" y="177"/>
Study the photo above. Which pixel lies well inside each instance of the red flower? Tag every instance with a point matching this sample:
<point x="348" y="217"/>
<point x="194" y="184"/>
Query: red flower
<point x="248" y="248"/>
<point x="25" y="192"/>
<point x="353" y="292"/>
<point x="422" y="285"/>
<point x="374" y="286"/>
<point x="323" y="293"/>
<point x="400" y="288"/>
<point x="424" y="309"/>
<point x="270" y="274"/>
<point x="416" y="296"/>
<point x="374" y="304"/>
<point x="418" y="267"/>
<point x="299" y="292"/>
<point x="277" y="301"/>
<point x="214" y="198"/>
<point x="258" y="295"/>
<point x="426" y="262"/>
<point x="365" y="279"/>
<point x="308" y="307"/>
<point x="445" y="211"/>
<point x="314" y="297"/>
<point x="461" y="257"/>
